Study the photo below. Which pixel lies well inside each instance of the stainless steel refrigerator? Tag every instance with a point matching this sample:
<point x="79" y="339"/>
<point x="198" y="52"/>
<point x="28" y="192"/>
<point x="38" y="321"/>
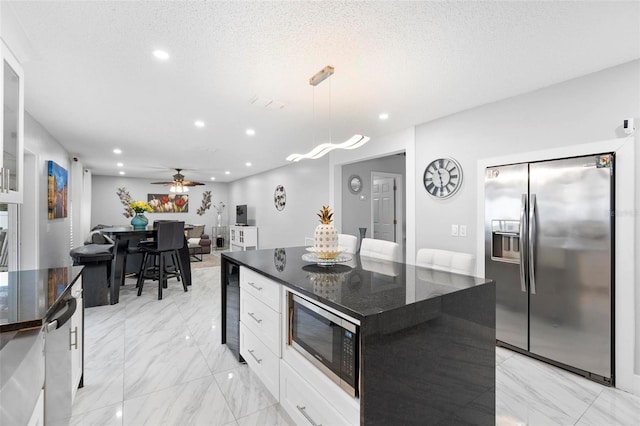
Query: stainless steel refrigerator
<point x="549" y="247"/>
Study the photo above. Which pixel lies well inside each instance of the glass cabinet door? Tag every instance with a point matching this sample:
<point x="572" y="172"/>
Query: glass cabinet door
<point x="12" y="128"/>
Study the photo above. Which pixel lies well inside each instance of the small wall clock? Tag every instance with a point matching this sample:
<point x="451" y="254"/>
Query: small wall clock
<point x="443" y="177"/>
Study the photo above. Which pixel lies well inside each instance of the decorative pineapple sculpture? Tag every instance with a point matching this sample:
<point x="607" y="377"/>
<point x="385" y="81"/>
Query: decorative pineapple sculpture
<point x="326" y="236"/>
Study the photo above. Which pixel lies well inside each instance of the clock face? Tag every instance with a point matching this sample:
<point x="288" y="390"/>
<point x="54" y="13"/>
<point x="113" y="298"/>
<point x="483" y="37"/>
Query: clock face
<point x="443" y="177"/>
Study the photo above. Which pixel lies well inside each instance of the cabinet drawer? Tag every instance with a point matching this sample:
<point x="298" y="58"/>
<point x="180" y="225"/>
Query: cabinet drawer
<point x="261" y="319"/>
<point x="261" y="288"/>
<point x="261" y="360"/>
<point x="303" y="404"/>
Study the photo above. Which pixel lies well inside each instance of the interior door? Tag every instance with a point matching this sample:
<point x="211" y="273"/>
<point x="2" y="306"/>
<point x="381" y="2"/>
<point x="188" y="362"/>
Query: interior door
<point x="505" y="220"/>
<point x="383" y="204"/>
<point x="570" y="274"/>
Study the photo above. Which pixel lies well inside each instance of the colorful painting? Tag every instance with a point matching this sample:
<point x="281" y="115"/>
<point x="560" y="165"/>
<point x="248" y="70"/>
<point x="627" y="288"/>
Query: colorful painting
<point x="57" y="190"/>
<point x="168" y="203"/>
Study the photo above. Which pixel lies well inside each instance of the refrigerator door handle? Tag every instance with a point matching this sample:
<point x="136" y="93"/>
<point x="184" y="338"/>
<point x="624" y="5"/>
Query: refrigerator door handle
<point x="523" y="227"/>
<point x="532" y="244"/>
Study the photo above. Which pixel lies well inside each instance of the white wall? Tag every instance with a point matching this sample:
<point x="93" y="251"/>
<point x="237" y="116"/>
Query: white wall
<point x="54" y="235"/>
<point x="307" y="189"/>
<point x="579" y="111"/>
<point x="106" y="208"/>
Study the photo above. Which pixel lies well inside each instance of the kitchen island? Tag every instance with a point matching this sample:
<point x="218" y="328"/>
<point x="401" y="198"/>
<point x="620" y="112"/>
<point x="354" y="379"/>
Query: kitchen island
<point x="427" y="338"/>
<point x="37" y="306"/>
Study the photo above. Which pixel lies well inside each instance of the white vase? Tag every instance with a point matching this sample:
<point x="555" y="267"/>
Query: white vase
<point x="219" y="219"/>
<point x="326" y="241"/>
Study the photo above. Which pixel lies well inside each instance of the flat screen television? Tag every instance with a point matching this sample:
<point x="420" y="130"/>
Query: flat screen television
<point x="241" y="215"/>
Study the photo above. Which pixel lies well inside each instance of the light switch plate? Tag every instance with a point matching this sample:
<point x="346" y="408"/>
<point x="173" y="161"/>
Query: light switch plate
<point x="454" y="230"/>
<point x="463" y="230"/>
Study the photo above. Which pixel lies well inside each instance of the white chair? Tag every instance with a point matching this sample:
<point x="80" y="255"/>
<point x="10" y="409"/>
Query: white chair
<point x="380" y="249"/>
<point x="448" y="261"/>
<point x="347" y="243"/>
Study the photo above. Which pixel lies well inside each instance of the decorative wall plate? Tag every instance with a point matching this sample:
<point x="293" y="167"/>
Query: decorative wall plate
<point x="279" y="197"/>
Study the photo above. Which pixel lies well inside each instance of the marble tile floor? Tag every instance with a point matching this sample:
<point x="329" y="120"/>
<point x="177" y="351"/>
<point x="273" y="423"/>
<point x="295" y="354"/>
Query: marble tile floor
<point x="160" y="362"/>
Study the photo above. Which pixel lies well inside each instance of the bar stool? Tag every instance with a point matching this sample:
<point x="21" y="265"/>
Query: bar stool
<point x="169" y="239"/>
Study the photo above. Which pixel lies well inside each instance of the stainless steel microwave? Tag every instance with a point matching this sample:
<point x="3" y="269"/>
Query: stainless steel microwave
<point x="329" y="342"/>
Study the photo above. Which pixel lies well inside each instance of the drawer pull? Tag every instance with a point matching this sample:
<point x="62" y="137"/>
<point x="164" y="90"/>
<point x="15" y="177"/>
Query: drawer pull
<point x="254" y="286"/>
<point x="254" y="318"/>
<point x="73" y="344"/>
<point x="303" y="410"/>
<point x="251" y="351"/>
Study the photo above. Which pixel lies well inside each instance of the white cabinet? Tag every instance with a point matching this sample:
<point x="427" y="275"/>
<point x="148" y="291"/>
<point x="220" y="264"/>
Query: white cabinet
<point x="37" y="415"/>
<point x="11" y="127"/>
<point x="303" y="403"/>
<point x="260" y="322"/>
<point x="76" y="340"/>
<point x="243" y="237"/>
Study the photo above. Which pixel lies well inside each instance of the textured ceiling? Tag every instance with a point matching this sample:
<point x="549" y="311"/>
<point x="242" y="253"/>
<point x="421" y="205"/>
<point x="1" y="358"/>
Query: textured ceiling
<point x="92" y="82"/>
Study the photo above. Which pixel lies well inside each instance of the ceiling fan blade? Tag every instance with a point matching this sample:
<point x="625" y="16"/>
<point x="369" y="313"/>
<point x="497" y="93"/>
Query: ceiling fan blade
<point x="191" y="183"/>
<point x="162" y="183"/>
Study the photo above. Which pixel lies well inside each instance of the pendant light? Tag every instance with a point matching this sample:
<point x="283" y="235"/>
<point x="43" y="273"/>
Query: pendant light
<point x="353" y="142"/>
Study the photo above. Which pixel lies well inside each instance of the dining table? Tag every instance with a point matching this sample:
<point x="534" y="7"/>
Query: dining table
<point x="121" y="237"/>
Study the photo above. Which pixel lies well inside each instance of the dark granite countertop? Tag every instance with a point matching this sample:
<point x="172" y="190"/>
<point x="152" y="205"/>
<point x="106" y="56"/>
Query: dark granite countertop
<point x="28" y="297"/>
<point x="361" y="288"/>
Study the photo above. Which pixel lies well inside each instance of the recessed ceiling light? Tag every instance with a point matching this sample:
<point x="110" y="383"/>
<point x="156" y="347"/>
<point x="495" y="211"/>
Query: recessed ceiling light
<point x="121" y="172"/>
<point x="250" y="132"/>
<point x="213" y="178"/>
<point x="120" y="165"/>
<point x="199" y="123"/>
<point x="227" y="172"/>
<point x="117" y="151"/>
<point x="248" y="164"/>
<point x="161" y="54"/>
<point x="383" y="116"/>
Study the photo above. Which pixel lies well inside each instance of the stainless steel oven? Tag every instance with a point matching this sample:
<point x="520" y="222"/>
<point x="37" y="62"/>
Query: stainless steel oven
<point x="328" y="341"/>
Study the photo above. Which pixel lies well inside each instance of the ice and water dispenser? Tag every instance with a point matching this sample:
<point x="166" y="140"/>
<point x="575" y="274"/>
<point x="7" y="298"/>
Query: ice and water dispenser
<point x="505" y="241"/>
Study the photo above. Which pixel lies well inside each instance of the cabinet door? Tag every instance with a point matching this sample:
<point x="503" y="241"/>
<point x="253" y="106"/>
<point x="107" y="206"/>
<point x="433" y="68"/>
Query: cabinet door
<point x="77" y="338"/>
<point x="11" y="127"/>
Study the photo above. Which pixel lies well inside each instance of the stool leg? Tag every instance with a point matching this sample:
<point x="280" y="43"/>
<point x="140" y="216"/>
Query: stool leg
<point x="161" y="275"/>
<point x="178" y="268"/>
<point x="143" y="268"/>
<point x="184" y="282"/>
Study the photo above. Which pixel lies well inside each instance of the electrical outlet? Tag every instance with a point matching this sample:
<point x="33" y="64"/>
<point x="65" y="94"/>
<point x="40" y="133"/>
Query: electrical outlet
<point x="454" y="230"/>
<point x="463" y="230"/>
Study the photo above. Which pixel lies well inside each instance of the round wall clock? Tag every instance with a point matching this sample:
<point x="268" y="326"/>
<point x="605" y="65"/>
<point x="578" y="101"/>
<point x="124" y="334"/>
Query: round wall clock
<point x="279" y="197"/>
<point x="443" y="177"/>
<point x="354" y="184"/>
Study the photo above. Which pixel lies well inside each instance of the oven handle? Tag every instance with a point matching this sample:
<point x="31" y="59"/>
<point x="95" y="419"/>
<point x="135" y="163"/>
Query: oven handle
<point x="326" y="314"/>
<point x="66" y="316"/>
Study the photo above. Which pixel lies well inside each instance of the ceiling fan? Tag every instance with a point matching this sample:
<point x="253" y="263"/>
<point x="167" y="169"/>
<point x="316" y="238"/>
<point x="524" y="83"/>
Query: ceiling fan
<point x="179" y="184"/>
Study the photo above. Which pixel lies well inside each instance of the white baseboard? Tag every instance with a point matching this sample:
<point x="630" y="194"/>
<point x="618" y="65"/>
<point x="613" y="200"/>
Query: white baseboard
<point x="636" y="384"/>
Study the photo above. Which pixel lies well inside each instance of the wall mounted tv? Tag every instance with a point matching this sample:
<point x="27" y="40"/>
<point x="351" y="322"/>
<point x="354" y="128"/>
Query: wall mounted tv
<point x="241" y="215"/>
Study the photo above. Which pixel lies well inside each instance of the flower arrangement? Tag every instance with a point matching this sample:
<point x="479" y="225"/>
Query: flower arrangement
<point x="140" y="207"/>
<point x="220" y="207"/>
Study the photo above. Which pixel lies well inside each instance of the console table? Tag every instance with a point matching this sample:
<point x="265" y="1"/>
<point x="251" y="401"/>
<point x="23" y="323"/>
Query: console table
<point x="243" y="238"/>
<point x="220" y="232"/>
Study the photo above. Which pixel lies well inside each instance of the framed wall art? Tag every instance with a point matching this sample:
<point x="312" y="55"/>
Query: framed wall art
<point x="57" y="190"/>
<point x="168" y="203"/>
